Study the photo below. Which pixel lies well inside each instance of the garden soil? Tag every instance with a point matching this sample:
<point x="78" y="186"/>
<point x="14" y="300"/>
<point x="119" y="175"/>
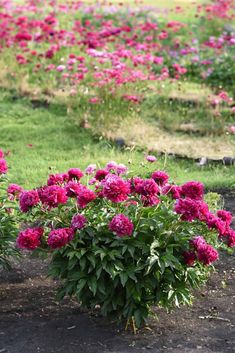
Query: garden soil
<point x="32" y="321"/>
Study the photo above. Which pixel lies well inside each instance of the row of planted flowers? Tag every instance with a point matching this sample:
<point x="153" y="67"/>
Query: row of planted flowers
<point x="120" y="241"/>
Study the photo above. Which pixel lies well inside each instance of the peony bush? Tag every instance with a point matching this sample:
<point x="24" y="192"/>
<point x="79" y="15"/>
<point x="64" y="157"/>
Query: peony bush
<point x="8" y="230"/>
<point x="123" y="243"/>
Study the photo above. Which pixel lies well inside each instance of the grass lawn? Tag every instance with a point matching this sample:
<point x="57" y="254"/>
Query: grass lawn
<point x="43" y="141"/>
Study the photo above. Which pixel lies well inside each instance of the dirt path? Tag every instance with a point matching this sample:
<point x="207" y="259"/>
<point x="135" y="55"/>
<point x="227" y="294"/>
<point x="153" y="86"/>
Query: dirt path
<point x="31" y="321"/>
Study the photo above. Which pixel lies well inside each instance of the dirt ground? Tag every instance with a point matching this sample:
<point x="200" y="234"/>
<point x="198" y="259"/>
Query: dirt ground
<point x="31" y="321"/>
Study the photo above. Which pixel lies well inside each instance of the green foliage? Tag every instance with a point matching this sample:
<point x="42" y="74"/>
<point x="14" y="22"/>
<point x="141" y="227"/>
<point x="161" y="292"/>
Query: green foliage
<point x="8" y="229"/>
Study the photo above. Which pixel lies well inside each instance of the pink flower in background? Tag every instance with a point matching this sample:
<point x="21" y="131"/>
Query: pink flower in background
<point x="198" y="242"/>
<point x="57" y="179"/>
<point x="232" y="129"/>
<point x="1" y="154"/>
<point x="111" y="165"/>
<point x="60" y="237"/>
<point x="29" y="239"/>
<point x="78" y="221"/>
<point x="173" y="190"/>
<point x="147" y="187"/>
<point x="151" y="159"/>
<point x="225" y="216"/>
<point x="231" y="238"/>
<point x="60" y="68"/>
<point x="121" y="169"/>
<point x="101" y="174"/>
<point x="3" y="166"/>
<point x="28" y="199"/>
<point x="90" y="169"/>
<point x="121" y="225"/>
<point x="73" y="188"/>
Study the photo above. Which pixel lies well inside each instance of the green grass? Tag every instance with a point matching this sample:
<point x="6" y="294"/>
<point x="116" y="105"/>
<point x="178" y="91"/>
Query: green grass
<point x="57" y="144"/>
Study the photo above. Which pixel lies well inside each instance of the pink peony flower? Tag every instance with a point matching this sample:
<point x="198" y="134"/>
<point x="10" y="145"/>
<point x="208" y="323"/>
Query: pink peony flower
<point x="115" y="189"/>
<point x="121" y="169"/>
<point x="193" y="190"/>
<point x="231" y="238"/>
<point x="90" y="169"/>
<point x="147" y="188"/>
<point x="14" y="191"/>
<point x="232" y="128"/>
<point x="198" y="242"/>
<point x="28" y="199"/>
<point x="85" y="196"/>
<point x="207" y="254"/>
<point x="188" y="209"/>
<point x="151" y="159"/>
<point x="60" y="237"/>
<point x="75" y="173"/>
<point x="3" y="166"/>
<point x="57" y="179"/>
<point x="189" y="258"/>
<point x="78" y="221"/>
<point x="73" y="188"/>
<point x="149" y="201"/>
<point x="121" y="225"/>
<point x="173" y="190"/>
<point x="29" y="238"/>
<point x="101" y="174"/>
<point x="160" y="177"/>
<point x="217" y="223"/>
<point x="52" y="196"/>
<point x="60" y="68"/>
<point x="225" y="216"/>
<point x="1" y="154"/>
<point x="111" y="165"/>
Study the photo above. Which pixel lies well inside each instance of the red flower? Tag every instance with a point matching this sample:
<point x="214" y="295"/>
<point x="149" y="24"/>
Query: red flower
<point x="14" y="191"/>
<point x="57" y="179"/>
<point x="121" y="225"/>
<point x="101" y="174"/>
<point x="73" y="188"/>
<point x="207" y="254"/>
<point x="189" y="258"/>
<point x="188" y="209"/>
<point x="173" y="190"/>
<point x="78" y="221"/>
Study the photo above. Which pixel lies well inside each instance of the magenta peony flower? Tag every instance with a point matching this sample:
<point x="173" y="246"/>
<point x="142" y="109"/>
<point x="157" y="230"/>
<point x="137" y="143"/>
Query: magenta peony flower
<point x="188" y="209"/>
<point x="101" y="174"/>
<point x="1" y="154"/>
<point x="28" y="199"/>
<point x="160" y="177"/>
<point x="189" y="258"/>
<point x="115" y="189"/>
<point x="225" y="216"/>
<point x="3" y="166"/>
<point x="75" y="173"/>
<point x="85" y="196"/>
<point x="78" y="221"/>
<point x="52" y="196"/>
<point x="29" y="238"/>
<point x="149" y="201"/>
<point x="57" y="179"/>
<point x="147" y="187"/>
<point x="60" y="237"/>
<point x="207" y="254"/>
<point x="198" y="242"/>
<point x="217" y="223"/>
<point x="151" y="159"/>
<point x="73" y="188"/>
<point x="231" y="238"/>
<point x="193" y="190"/>
<point x="173" y="190"/>
<point x="14" y="191"/>
<point x="121" y="225"/>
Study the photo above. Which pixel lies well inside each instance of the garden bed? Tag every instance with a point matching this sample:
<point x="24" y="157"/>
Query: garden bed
<point x="32" y="321"/>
